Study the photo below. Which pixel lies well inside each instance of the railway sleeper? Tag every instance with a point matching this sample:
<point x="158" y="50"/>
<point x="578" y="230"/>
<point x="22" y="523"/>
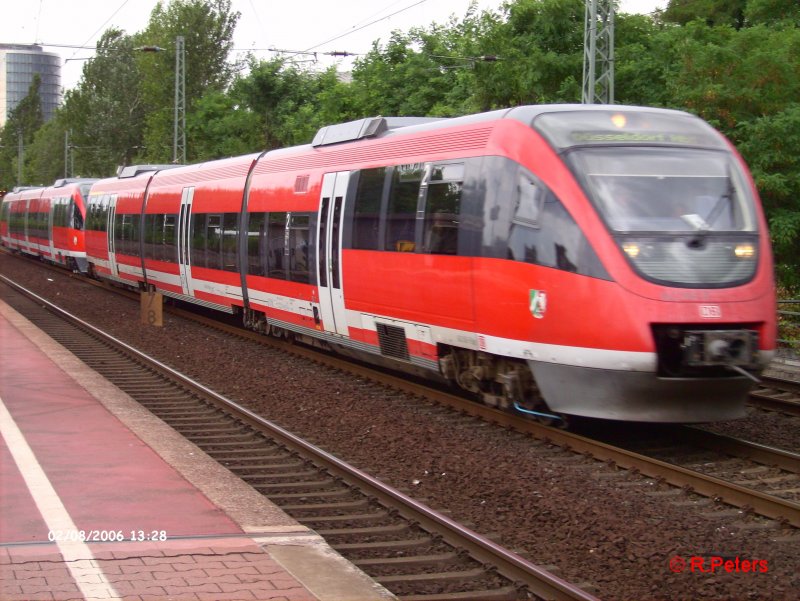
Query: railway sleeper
<point x="408" y="561"/>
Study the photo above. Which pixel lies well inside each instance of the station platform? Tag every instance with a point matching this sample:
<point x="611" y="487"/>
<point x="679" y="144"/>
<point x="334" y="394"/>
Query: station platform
<point x="161" y="520"/>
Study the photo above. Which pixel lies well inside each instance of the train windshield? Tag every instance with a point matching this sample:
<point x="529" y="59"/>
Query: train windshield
<point x="682" y="216"/>
<point x="666" y="189"/>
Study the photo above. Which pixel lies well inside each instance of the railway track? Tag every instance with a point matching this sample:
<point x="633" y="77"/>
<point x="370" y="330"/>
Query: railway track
<point x="734" y="471"/>
<point x="414" y="551"/>
<point x="777" y="394"/>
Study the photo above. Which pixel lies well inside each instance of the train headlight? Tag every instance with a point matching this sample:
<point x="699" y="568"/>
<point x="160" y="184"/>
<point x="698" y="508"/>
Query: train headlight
<point x="744" y="251"/>
<point x="619" y="120"/>
<point x="632" y="250"/>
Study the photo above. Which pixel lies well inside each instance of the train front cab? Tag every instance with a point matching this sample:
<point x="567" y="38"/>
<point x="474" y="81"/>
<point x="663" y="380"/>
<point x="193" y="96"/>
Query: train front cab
<point x="66" y="201"/>
<point x="686" y="316"/>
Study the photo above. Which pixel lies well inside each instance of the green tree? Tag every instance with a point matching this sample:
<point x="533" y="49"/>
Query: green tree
<point x="728" y="76"/>
<point x="47" y="152"/>
<point x="24" y="121"/>
<point x="106" y="112"/>
<point x="711" y="12"/>
<point x="541" y="46"/>
<point x="291" y="103"/>
<point x="771" y="146"/>
<point x="207" y="27"/>
<point x="222" y="126"/>
<point x="773" y="12"/>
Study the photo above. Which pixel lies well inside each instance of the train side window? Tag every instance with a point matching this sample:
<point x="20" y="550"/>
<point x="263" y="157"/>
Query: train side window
<point x="442" y="209"/>
<point x="367" y="209"/>
<point x="147" y="235"/>
<point x="276" y="245"/>
<point x="126" y="234"/>
<point x="134" y="227"/>
<point x="299" y="248"/>
<point x="90" y="210"/>
<point x="213" y="239"/>
<point x="230" y="237"/>
<point x="169" y="247"/>
<point x="197" y="235"/>
<point x="102" y="214"/>
<point x="119" y="238"/>
<point x="57" y="210"/>
<point x="43" y="218"/>
<point x="256" y="244"/>
<point x="401" y="210"/>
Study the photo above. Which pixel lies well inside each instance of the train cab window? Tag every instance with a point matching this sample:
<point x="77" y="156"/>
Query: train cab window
<point x="256" y="244"/>
<point x="367" y="210"/>
<point x="276" y="245"/>
<point x="299" y="248"/>
<point x="442" y="209"/>
<point x="74" y="217"/>
<point x="530" y="200"/>
<point x="401" y="212"/>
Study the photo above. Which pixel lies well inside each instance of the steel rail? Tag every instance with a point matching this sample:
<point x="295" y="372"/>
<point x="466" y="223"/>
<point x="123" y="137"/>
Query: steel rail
<point x="507" y="563"/>
<point x="785" y="460"/>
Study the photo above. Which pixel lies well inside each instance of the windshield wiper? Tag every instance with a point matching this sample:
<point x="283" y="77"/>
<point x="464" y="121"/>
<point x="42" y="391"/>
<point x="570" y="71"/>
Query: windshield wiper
<point x="726" y="198"/>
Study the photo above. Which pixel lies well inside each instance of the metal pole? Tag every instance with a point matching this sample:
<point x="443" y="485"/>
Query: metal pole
<point x="20" y="157"/>
<point x="66" y="154"/>
<point x="598" y="52"/>
<point x="179" y="125"/>
<point x="589" y="50"/>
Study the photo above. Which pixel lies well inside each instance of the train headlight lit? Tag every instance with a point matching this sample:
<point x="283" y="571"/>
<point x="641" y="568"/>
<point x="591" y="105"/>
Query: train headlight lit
<point x="632" y="250"/>
<point x="619" y="120"/>
<point x="744" y="251"/>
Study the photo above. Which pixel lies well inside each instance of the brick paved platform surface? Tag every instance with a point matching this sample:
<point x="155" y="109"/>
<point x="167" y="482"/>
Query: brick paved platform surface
<point x="221" y="569"/>
<point x="77" y="454"/>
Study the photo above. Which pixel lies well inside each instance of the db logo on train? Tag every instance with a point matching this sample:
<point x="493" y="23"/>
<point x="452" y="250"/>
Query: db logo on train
<point x="710" y="311"/>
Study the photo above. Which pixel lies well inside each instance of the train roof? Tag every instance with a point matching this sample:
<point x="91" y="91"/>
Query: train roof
<point x="128" y="171"/>
<point x="384" y="127"/>
<point x="67" y="181"/>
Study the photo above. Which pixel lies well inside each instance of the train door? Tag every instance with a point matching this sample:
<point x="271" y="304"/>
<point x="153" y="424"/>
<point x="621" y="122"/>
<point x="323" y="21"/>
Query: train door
<point x="110" y="205"/>
<point x="185" y="240"/>
<point x="329" y="252"/>
<point x="25" y="243"/>
<point x="54" y="203"/>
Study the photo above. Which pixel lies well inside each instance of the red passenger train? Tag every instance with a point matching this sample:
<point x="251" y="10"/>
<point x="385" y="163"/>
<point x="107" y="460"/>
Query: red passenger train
<point x="601" y="261"/>
<point x="48" y="222"/>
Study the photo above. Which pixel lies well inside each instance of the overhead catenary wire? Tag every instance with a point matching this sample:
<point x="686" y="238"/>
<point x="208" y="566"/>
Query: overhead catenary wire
<point x="355" y="29"/>
<point x="99" y="29"/>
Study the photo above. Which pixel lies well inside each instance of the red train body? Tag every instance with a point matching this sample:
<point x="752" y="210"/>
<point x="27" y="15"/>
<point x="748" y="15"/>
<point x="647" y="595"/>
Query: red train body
<point x="606" y="262"/>
<point x="48" y="222"/>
